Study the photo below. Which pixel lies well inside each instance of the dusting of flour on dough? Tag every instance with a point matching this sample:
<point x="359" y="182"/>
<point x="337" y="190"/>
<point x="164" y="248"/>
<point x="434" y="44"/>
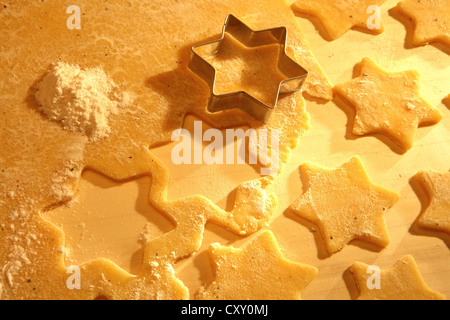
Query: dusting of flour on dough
<point x="81" y="100"/>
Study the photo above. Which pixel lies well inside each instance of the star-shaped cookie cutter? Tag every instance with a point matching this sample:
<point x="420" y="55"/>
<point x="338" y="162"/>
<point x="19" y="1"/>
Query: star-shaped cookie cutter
<point x="294" y="73"/>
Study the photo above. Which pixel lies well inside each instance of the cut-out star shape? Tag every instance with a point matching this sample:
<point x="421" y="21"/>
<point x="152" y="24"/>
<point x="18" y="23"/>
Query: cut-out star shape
<point x="402" y="282"/>
<point x="287" y="77"/>
<point x="339" y="16"/>
<point x="437" y="214"/>
<point x="345" y="204"/>
<point x="431" y="19"/>
<point x="387" y="103"/>
<point x="109" y="219"/>
<point x="257" y="271"/>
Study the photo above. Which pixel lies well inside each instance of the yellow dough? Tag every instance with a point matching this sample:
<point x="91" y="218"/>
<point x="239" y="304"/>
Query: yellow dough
<point x="431" y="19"/>
<point x="437" y="186"/>
<point x="402" y="282"/>
<point x="387" y="103"/>
<point x="339" y="16"/>
<point x="145" y="54"/>
<point x="345" y="204"/>
<point x="256" y="272"/>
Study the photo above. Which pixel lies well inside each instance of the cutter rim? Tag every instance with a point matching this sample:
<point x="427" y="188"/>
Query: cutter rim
<point x="265" y="109"/>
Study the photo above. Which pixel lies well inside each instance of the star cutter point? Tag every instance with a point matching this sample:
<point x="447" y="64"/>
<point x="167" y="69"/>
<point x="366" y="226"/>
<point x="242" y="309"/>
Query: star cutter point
<point x="294" y="73"/>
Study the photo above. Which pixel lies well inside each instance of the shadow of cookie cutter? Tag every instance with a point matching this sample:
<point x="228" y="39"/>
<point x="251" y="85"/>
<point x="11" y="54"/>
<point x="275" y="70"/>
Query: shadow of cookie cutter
<point x="294" y="73"/>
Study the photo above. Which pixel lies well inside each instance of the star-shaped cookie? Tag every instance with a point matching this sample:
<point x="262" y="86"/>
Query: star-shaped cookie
<point x="402" y="282"/>
<point x="431" y="19"/>
<point x="387" y="103"/>
<point x="257" y="271"/>
<point x="345" y="204"/>
<point x="339" y="16"/>
<point x="437" y="214"/>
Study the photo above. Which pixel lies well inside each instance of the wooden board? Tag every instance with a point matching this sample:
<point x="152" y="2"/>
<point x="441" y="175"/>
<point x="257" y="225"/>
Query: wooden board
<point x="329" y="142"/>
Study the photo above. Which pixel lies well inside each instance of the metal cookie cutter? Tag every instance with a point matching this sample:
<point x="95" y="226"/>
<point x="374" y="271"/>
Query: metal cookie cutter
<point x="294" y="73"/>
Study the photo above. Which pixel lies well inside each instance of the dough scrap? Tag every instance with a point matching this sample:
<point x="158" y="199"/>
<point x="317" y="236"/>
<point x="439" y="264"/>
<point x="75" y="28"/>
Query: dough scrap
<point x="431" y="19"/>
<point x="340" y="16"/>
<point x="345" y="204"/>
<point x="387" y="103"/>
<point x="402" y="282"/>
<point x="257" y="271"/>
<point x="437" y="186"/>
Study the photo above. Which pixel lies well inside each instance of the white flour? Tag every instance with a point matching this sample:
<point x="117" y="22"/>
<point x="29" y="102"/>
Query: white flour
<point x="81" y="100"/>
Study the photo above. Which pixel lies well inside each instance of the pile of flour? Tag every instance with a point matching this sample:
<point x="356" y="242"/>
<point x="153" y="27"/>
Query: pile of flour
<point x="81" y="100"/>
